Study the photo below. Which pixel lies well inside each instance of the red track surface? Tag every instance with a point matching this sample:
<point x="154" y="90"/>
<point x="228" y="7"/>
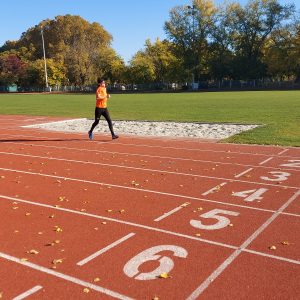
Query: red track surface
<point x="104" y="219"/>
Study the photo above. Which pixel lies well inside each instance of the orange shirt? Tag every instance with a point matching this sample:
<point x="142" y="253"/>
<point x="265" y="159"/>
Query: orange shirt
<point x="101" y="97"/>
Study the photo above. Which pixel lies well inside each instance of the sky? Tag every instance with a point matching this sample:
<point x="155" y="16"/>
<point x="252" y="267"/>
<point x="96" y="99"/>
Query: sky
<point x="130" y="22"/>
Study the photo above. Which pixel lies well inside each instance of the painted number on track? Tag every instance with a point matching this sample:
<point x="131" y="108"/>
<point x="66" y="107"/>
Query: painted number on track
<point x="214" y="214"/>
<point x="250" y="195"/>
<point x="166" y="264"/>
<point x="277" y="176"/>
<point x="294" y="163"/>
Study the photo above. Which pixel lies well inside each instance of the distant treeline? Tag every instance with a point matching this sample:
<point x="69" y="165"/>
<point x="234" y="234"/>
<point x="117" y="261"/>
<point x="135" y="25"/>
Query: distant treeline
<point x="260" y="40"/>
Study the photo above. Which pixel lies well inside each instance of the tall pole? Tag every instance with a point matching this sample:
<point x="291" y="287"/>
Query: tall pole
<point x="192" y="11"/>
<point x="45" y="63"/>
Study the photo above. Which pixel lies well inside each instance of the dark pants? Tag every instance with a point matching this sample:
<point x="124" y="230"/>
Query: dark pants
<point x="102" y="112"/>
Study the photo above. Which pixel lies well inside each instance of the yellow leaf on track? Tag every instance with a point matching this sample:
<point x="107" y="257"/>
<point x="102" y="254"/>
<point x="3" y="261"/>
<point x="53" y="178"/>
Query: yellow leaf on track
<point x="57" y="261"/>
<point x="164" y="275"/>
<point x="33" y="252"/>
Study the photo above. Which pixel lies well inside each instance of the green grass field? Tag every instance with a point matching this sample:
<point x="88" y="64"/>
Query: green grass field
<point x="278" y="111"/>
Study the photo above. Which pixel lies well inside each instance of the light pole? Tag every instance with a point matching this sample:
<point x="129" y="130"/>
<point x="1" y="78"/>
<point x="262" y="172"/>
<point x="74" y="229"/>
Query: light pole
<point x="192" y="10"/>
<point x="45" y="63"/>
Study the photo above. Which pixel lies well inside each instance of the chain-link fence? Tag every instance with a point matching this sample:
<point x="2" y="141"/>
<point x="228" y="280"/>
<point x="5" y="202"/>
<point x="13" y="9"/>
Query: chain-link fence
<point x="211" y="85"/>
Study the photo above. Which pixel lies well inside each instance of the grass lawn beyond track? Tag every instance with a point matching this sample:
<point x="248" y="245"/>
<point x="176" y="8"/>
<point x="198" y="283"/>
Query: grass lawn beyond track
<point x="278" y="111"/>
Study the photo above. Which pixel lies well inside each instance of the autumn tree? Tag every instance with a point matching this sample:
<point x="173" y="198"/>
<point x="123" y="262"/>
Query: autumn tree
<point x="188" y="28"/>
<point x="252" y="25"/>
<point x="70" y="41"/>
<point x="12" y="68"/>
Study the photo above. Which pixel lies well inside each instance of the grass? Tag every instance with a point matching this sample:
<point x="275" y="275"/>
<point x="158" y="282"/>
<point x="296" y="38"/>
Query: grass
<point x="278" y="111"/>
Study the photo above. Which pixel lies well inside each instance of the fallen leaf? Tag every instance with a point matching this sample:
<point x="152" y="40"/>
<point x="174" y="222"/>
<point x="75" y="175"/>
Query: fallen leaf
<point x="96" y="279"/>
<point x="164" y="275"/>
<point x="33" y="252"/>
<point x="86" y="290"/>
<point x="198" y="234"/>
<point x="57" y="261"/>
<point x="272" y="247"/>
<point x="286" y="243"/>
<point x="57" y="229"/>
<point x="24" y="259"/>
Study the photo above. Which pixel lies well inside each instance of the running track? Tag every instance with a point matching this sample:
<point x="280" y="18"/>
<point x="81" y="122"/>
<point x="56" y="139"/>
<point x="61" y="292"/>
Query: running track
<point x="108" y="219"/>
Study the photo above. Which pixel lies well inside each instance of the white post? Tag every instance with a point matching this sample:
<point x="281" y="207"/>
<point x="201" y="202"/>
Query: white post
<point x="45" y="63"/>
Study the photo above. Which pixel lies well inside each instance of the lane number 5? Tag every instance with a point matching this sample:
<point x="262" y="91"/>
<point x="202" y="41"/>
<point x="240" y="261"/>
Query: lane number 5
<point x="214" y="214"/>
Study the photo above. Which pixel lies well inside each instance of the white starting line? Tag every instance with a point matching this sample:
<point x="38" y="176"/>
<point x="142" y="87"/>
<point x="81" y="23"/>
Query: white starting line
<point x="64" y="277"/>
<point x="112" y="245"/>
<point x="28" y="293"/>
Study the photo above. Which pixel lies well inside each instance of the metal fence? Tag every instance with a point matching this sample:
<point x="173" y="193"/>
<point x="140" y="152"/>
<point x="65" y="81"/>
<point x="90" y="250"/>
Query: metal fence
<point x="212" y="85"/>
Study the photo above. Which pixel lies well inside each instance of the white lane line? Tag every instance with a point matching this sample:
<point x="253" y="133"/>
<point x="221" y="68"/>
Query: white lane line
<point x="140" y="226"/>
<point x="167" y="214"/>
<point x="283" y="151"/>
<point x="28" y="293"/>
<point x="146" y="227"/>
<point x="243" y="173"/>
<point x="98" y="253"/>
<point x="143" y="155"/>
<point x="138" y="189"/>
<point x="149" y="170"/>
<point x="52" y="122"/>
<point x="216" y="188"/>
<point x="237" y="252"/>
<point x="293" y="261"/>
<point x="120" y="221"/>
<point x="64" y="276"/>
<point x="146" y="146"/>
<point x="265" y="161"/>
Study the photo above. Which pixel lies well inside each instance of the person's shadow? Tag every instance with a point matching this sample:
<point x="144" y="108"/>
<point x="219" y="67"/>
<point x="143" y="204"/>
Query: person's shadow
<point x="50" y="140"/>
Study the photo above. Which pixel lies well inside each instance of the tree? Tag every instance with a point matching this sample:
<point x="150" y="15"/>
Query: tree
<point x="282" y="52"/>
<point x="141" y="69"/>
<point x="220" y="46"/>
<point x="12" y="68"/>
<point x="35" y="75"/>
<point x="71" y="41"/>
<point x="188" y="28"/>
<point x="252" y="25"/>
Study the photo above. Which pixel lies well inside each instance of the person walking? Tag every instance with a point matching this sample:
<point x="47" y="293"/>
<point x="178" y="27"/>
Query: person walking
<point x="101" y="109"/>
